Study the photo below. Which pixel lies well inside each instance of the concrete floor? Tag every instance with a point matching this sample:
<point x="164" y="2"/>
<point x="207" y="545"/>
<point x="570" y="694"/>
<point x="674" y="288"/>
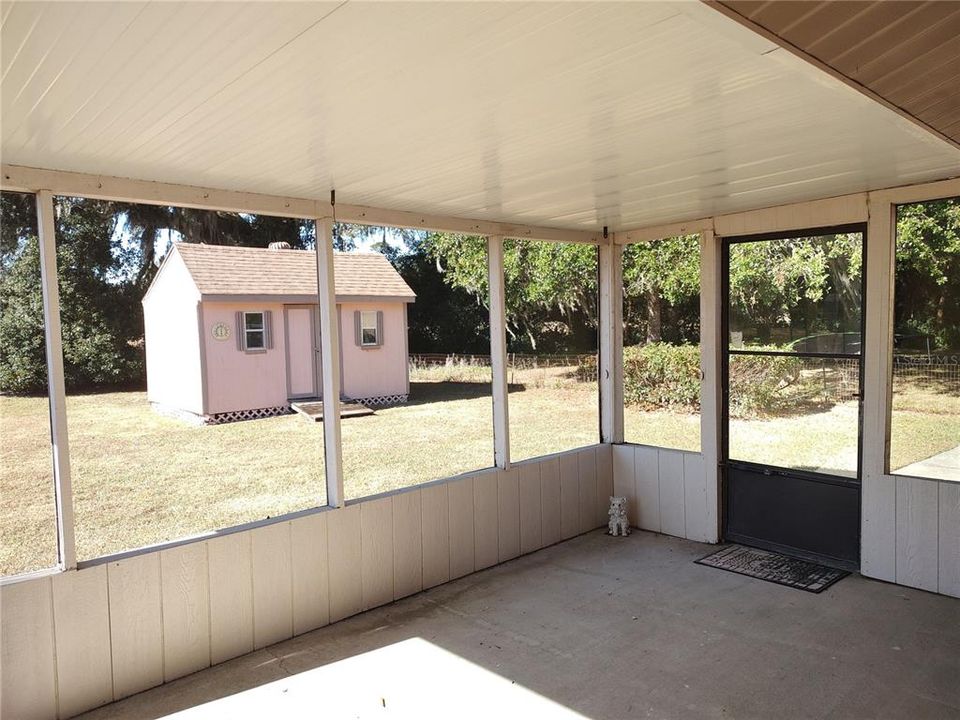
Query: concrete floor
<point x="618" y="628"/>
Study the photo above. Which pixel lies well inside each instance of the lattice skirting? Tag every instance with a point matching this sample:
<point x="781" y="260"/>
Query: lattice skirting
<point x="256" y="414"/>
<point x="382" y="400"/>
<point x="221" y="418"/>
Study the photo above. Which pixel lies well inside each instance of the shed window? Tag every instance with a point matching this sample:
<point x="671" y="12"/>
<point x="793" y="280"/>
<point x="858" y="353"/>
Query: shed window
<point x="369" y="328"/>
<point x="253" y="331"/>
<point x="253" y="328"/>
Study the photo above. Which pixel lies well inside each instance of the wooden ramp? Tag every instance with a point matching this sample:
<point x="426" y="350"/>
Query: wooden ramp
<point x="313" y="409"/>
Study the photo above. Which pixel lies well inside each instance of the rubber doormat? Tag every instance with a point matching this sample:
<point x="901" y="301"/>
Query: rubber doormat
<point x="775" y="568"/>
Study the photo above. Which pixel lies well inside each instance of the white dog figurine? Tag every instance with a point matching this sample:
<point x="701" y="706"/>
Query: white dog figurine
<point x="619" y="525"/>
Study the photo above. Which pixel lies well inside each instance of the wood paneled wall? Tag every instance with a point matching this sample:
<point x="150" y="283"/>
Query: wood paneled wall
<point x="666" y="491"/>
<point x="76" y="640"/>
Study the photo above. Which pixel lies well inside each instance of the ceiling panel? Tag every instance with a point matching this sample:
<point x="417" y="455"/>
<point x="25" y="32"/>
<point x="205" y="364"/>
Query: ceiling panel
<point x="905" y="51"/>
<point x="561" y="114"/>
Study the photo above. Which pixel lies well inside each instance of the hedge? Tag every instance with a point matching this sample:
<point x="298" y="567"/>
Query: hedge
<point x="661" y="376"/>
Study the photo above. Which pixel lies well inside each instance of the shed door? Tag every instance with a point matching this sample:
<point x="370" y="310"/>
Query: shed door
<point x="302" y="370"/>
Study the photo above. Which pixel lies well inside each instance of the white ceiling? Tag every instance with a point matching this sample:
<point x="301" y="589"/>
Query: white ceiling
<point x="558" y="114"/>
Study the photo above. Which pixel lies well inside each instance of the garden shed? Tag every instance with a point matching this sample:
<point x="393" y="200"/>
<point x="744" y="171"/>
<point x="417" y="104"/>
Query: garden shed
<point x="431" y="560"/>
<point x="231" y="333"/>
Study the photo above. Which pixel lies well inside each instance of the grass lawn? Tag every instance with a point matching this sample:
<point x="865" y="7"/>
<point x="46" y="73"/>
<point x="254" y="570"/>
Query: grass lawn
<point x="141" y="478"/>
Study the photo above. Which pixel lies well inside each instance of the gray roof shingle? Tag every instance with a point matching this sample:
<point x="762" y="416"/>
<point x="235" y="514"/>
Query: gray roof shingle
<point x="229" y="270"/>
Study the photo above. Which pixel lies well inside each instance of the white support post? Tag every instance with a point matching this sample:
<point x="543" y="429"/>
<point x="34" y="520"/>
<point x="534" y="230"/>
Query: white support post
<point x="711" y="410"/>
<point x="611" y="342"/>
<point x="329" y="361"/>
<point x="878" y="550"/>
<point x="55" y="381"/>
<point x="498" y="352"/>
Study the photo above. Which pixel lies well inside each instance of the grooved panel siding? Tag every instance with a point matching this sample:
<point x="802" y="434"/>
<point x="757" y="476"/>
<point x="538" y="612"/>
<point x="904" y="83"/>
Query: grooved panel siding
<point x="407" y="544"/>
<point x="486" y="524"/>
<point x="186" y="609"/>
<point x="28" y="688"/>
<point x="231" y="596"/>
<point x="343" y="561"/>
<point x="110" y="630"/>
<point x="272" y="584"/>
<point x="435" y="511"/>
<point x="136" y="631"/>
<point x="531" y="512"/>
<point x="376" y="567"/>
<point x="462" y="532"/>
<point x="311" y="588"/>
<point x="508" y="513"/>
<point x="81" y="619"/>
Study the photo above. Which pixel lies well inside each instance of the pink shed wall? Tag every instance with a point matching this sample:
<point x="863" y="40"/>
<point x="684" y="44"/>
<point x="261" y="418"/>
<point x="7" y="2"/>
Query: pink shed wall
<point x="171" y="339"/>
<point x="373" y="372"/>
<point x="238" y="380"/>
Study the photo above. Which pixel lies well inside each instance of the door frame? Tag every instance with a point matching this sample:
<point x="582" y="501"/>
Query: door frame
<point x="315" y="373"/>
<point x="724" y="348"/>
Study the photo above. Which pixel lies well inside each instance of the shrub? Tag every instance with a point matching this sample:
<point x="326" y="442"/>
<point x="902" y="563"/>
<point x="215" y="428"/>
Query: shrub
<point x="660" y="376"/>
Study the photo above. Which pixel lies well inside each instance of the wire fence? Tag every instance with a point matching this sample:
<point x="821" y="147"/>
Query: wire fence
<point x="940" y="373"/>
<point x="517" y="361"/>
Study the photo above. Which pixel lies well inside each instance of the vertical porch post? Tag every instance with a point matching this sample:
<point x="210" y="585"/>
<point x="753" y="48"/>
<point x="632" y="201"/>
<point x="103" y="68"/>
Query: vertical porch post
<point x="498" y="352"/>
<point x="63" y="488"/>
<point x="330" y="361"/>
<point x="878" y="548"/>
<point x="711" y="409"/>
<point x="611" y="342"/>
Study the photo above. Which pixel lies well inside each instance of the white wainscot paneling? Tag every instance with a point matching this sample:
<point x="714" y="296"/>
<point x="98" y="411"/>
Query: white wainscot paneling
<point x="647" y="488"/>
<point x="311" y="583"/>
<point x="696" y="513"/>
<point x="272" y="584"/>
<point x="231" y="596"/>
<point x="604" y="482"/>
<point x="917" y="533"/>
<point x="407" y="544"/>
<point x="343" y="561"/>
<point x="136" y="629"/>
<point x="508" y="513"/>
<point x="186" y="609"/>
<point x="376" y="544"/>
<point x="569" y="496"/>
<point x="587" y="468"/>
<point x="486" y="523"/>
<point x="435" y="517"/>
<point x="462" y="533"/>
<point x="949" y="570"/>
<point x="550" y="501"/>
<point x="28" y="680"/>
<point x="531" y="512"/>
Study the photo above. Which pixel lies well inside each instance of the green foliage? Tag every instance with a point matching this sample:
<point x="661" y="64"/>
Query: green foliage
<point x="784" y="283"/>
<point x="661" y="376"/>
<point x="758" y="382"/>
<point x="928" y="273"/>
<point x="550" y="289"/>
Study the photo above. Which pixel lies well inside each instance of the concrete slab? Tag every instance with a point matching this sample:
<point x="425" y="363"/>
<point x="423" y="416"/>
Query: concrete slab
<point x="943" y="466"/>
<point x="616" y="628"/>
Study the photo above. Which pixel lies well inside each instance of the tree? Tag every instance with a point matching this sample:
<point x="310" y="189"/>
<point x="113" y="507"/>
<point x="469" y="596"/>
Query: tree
<point x="550" y="289"/>
<point x="658" y="273"/>
<point x="927" y="277"/>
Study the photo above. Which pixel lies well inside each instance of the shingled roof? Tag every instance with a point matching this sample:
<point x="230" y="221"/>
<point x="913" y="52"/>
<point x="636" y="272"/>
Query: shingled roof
<point x="221" y="270"/>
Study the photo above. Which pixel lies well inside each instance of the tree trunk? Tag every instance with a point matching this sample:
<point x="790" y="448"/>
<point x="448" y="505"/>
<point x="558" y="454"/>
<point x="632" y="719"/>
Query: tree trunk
<point x="654" y="320"/>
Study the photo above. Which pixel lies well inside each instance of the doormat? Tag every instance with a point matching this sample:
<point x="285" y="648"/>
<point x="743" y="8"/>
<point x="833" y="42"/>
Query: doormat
<point x="775" y="568"/>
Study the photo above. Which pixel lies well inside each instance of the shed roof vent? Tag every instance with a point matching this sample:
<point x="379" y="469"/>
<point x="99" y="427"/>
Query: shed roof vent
<point x="281" y="245"/>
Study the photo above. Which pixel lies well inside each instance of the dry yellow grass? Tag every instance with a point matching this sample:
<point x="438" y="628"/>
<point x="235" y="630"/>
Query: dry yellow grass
<point x="142" y="478"/>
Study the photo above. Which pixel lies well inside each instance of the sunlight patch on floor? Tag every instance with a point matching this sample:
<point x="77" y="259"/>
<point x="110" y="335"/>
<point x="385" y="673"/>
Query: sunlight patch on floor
<point x="409" y="679"/>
